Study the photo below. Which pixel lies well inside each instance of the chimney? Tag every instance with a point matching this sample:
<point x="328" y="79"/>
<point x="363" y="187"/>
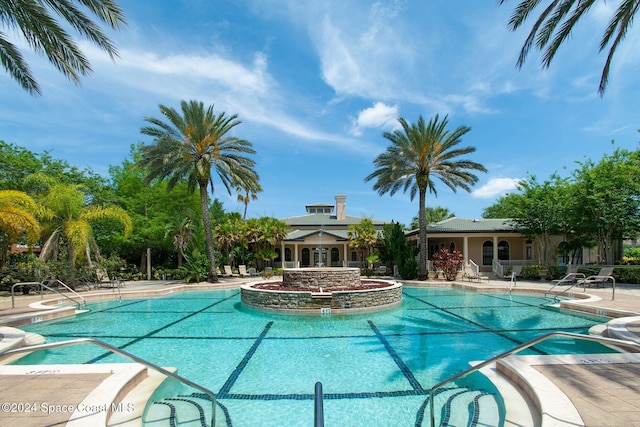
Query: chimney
<point x="341" y="207"/>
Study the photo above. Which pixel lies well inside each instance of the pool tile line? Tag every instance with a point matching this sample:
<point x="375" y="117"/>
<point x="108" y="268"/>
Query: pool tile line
<point x="415" y="384"/>
<point x="226" y="387"/>
<point x="157" y="330"/>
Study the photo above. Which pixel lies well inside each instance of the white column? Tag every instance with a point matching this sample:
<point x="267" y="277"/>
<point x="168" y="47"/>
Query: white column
<point x="465" y="249"/>
<point x="495" y="248"/>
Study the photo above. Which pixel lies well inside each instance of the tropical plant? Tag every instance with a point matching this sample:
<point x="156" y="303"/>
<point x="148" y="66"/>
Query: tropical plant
<point x="245" y="195"/>
<point x="181" y="232"/>
<point x="448" y="262"/>
<point x="35" y="19"/>
<point x="17" y="219"/>
<point x="418" y="153"/>
<point x="363" y="237"/>
<point x="556" y="21"/>
<point x="189" y="145"/>
<point x="394" y="248"/>
<point x="228" y="233"/>
<point x="68" y="220"/>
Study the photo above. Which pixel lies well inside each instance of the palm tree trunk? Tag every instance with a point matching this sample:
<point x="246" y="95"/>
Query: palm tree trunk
<point x="212" y="276"/>
<point x="71" y="258"/>
<point x="423" y="274"/>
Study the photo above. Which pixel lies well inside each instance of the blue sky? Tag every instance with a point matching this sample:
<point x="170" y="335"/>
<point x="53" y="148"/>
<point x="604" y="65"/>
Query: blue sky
<point x="316" y="83"/>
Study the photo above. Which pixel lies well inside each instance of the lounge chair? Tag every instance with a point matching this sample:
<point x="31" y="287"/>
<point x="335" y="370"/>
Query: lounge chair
<point x="471" y="275"/>
<point x="228" y="272"/>
<point x="104" y="281"/>
<point x="253" y="272"/>
<point x="570" y="278"/>
<point x="604" y="275"/>
<point x="382" y="270"/>
<point x="242" y="270"/>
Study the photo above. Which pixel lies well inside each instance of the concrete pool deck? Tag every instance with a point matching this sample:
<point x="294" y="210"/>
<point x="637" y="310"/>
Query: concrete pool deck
<point x="592" y="390"/>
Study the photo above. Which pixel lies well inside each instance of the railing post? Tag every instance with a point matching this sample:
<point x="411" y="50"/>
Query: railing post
<point x="319" y="408"/>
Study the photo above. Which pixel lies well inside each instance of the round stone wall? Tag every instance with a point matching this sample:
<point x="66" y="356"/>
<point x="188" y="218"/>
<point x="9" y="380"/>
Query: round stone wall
<point x="307" y="301"/>
<point x="313" y="279"/>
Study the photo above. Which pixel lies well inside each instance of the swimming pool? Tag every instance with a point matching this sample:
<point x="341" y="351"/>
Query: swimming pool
<point x="375" y="367"/>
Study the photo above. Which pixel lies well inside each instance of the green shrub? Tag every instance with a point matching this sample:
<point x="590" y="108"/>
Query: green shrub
<point x="531" y="272"/>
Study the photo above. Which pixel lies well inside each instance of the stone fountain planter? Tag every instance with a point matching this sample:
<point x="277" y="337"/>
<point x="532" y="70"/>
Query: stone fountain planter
<point x="321" y="290"/>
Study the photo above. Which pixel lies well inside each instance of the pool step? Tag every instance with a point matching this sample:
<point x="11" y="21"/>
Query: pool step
<point x="461" y="406"/>
<point x="181" y="410"/>
<point x="456" y="406"/>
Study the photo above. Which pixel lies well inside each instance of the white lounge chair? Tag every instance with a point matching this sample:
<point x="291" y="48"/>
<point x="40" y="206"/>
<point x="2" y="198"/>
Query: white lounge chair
<point x="228" y="272"/>
<point x="242" y="270"/>
<point x="471" y="275"/>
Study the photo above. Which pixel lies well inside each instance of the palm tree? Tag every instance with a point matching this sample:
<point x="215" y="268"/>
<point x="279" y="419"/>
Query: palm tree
<point x="363" y="237"/>
<point x="70" y="221"/>
<point x="418" y="153"/>
<point x="35" y="19"/>
<point x="556" y="21"/>
<point x="434" y="215"/>
<point x="17" y="219"/>
<point x="245" y="195"/>
<point x="192" y="144"/>
<point x="181" y="232"/>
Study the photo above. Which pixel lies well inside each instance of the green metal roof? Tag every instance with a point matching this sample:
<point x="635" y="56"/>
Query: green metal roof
<point x="465" y="225"/>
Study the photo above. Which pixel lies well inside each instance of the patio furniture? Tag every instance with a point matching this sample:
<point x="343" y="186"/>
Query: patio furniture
<point x="604" y="275"/>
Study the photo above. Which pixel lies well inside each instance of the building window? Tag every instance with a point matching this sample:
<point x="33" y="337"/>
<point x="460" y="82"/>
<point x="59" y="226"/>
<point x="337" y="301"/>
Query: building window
<point x="503" y="250"/>
<point x="287" y="254"/>
<point x="278" y="259"/>
<point x="452" y="247"/>
<point x="306" y="259"/>
<point x="354" y="256"/>
<point x="487" y="253"/>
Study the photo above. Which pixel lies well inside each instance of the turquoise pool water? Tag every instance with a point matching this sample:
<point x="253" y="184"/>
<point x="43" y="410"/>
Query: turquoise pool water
<point x="376" y="367"/>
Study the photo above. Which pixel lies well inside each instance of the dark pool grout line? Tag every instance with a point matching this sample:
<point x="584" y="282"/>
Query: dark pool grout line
<point x="415" y="384"/>
<point x="155" y="331"/>
<point x="243" y="363"/>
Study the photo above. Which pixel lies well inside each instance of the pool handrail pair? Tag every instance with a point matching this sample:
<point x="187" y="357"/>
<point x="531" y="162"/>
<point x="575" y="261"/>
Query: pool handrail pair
<point x="80" y="304"/>
<point x="599" y="339"/>
<point x="123" y="353"/>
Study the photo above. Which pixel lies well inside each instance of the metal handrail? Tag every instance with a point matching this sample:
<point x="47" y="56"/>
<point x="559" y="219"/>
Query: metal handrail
<point x="123" y="353"/>
<point x="42" y="285"/>
<point x="60" y="282"/>
<point x="570" y="279"/>
<point x="601" y="340"/>
<point x="318" y="420"/>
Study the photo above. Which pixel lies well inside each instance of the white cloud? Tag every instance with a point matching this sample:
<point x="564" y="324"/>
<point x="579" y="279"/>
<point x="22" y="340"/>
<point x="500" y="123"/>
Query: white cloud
<point x="495" y="187"/>
<point x="380" y="115"/>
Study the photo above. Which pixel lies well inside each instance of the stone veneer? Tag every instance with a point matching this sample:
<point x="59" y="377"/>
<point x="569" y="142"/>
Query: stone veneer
<point x="314" y="301"/>
<point x="314" y="279"/>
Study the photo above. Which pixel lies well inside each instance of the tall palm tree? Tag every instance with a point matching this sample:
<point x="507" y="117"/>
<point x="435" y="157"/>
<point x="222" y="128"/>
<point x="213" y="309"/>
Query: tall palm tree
<point x="17" y="219"/>
<point x="191" y="144"/>
<point x="418" y="153"/>
<point x="36" y="20"/>
<point x="556" y="21"/>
